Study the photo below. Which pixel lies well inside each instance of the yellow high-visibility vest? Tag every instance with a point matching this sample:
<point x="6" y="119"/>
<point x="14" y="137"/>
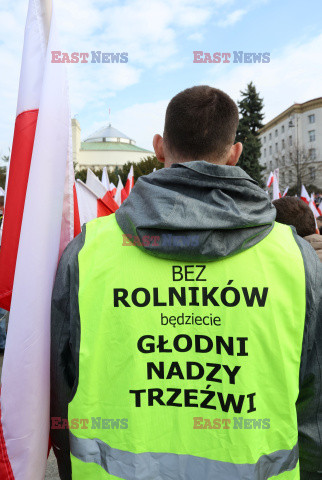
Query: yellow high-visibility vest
<point x="187" y="371"/>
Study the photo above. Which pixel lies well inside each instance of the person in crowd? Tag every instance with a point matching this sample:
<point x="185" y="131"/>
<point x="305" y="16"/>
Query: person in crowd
<point x="294" y="211"/>
<point x="318" y="199"/>
<point x="186" y="328"/>
<point x="319" y="223"/>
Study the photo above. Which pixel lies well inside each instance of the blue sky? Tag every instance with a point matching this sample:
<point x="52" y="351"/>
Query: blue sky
<point x="160" y="36"/>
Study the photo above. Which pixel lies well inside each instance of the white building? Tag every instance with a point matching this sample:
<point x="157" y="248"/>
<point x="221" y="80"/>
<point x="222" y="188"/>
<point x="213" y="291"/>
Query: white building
<point x="106" y="147"/>
<point x="292" y="142"/>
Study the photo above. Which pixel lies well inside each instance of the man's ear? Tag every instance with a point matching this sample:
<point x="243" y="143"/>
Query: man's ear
<point x="158" y="147"/>
<point x="234" y="154"/>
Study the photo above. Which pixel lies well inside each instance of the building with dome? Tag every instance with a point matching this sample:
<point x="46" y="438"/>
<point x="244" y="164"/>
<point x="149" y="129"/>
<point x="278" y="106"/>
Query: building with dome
<point x="107" y="147"/>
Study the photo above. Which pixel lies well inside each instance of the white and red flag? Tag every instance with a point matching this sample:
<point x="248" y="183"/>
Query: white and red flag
<point x="316" y="214"/>
<point x="91" y="205"/>
<point x="105" y="180"/>
<point x="270" y="180"/>
<point x="314" y="209"/>
<point x="94" y="183"/>
<point x="39" y="221"/>
<point x="318" y="209"/>
<point x="276" y="188"/>
<point x="304" y="195"/>
<point x="129" y="185"/>
<point x="118" y="193"/>
<point x="285" y="191"/>
<point x="87" y="202"/>
<point x="112" y="189"/>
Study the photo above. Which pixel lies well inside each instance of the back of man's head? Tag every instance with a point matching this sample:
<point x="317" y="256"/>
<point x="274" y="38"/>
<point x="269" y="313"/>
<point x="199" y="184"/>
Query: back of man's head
<point x="200" y="124"/>
<point x="293" y="211"/>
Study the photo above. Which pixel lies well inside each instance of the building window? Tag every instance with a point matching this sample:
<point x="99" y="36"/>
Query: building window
<point x="270" y="136"/>
<point x="312" y="153"/>
<point x="312" y="118"/>
<point x="312" y="173"/>
<point x="276" y="147"/>
<point x="283" y="129"/>
<point x="276" y="133"/>
<point x="290" y="176"/>
<point x="270" y="149"/>
<point x="283" y="177"/>
<point x="283" y="161"/>
<point x="271" y="165"/>
<point x="264" y="152"/>
<point x="290" y="140"/>
<point x="264" y="139"/>
<point x="283" y="143"/>
<point x="277" y="163"/>
<point x="312" y="135"/>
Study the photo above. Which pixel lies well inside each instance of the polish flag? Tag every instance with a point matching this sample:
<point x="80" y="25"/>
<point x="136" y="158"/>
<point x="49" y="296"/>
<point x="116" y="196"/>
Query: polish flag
<point x="90" y="205"/>
<point x="87" y="202"/>
<point x="39" y="222"/>
<point x="304" y="195"/>
<point x="94" y="183"/>
<point x="118" y="194"/>
<point x="105" y="180"/>
<point x="112" y="189"/>
<point x="314" y="209"/>
<point x="315" y="205"/>
<point x="316" y="214"/>
<point x="285" y="192"/>
<point x="106" y="205"/>
<point x="270" y="180"/>
<point x="276" y="189"/>
<point x="128" y="186"/>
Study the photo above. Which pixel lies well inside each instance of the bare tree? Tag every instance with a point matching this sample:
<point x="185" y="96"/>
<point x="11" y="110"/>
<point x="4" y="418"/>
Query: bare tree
<point x="305" y="165"/>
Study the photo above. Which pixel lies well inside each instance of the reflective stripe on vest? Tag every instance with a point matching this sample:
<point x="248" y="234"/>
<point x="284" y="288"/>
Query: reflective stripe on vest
<point x="151" y="465"/>
<point x="157" y="374"/>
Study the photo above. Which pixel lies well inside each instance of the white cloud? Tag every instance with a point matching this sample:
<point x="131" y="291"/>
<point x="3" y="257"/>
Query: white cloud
<point x="92" y="84"/>
<point x="293" y="75"/>
<point x="196" y="37"/>
<point x="171" y="66"/>
<point x="150" y="31"/>
<point x="141" y="121"/>
<point x="232" y="18"/>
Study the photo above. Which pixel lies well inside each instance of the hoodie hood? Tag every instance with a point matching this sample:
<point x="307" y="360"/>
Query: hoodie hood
<point x="196" y="211"/>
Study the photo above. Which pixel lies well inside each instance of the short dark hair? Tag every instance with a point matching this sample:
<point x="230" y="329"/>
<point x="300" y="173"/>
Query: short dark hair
<point x="199" y="122"/>
<point x="293" y="211"/>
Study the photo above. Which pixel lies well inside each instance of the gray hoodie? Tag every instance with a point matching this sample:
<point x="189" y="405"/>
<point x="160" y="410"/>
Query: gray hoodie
<point x="226" y="212"/>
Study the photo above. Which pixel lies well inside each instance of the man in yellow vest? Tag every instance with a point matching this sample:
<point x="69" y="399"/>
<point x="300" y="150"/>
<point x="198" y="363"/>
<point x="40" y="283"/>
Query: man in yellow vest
<point x="187" y="327"/>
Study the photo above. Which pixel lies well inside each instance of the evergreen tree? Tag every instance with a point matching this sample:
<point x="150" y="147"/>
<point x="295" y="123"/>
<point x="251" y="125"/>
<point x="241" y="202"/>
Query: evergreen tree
<point x="251" y="116"/>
